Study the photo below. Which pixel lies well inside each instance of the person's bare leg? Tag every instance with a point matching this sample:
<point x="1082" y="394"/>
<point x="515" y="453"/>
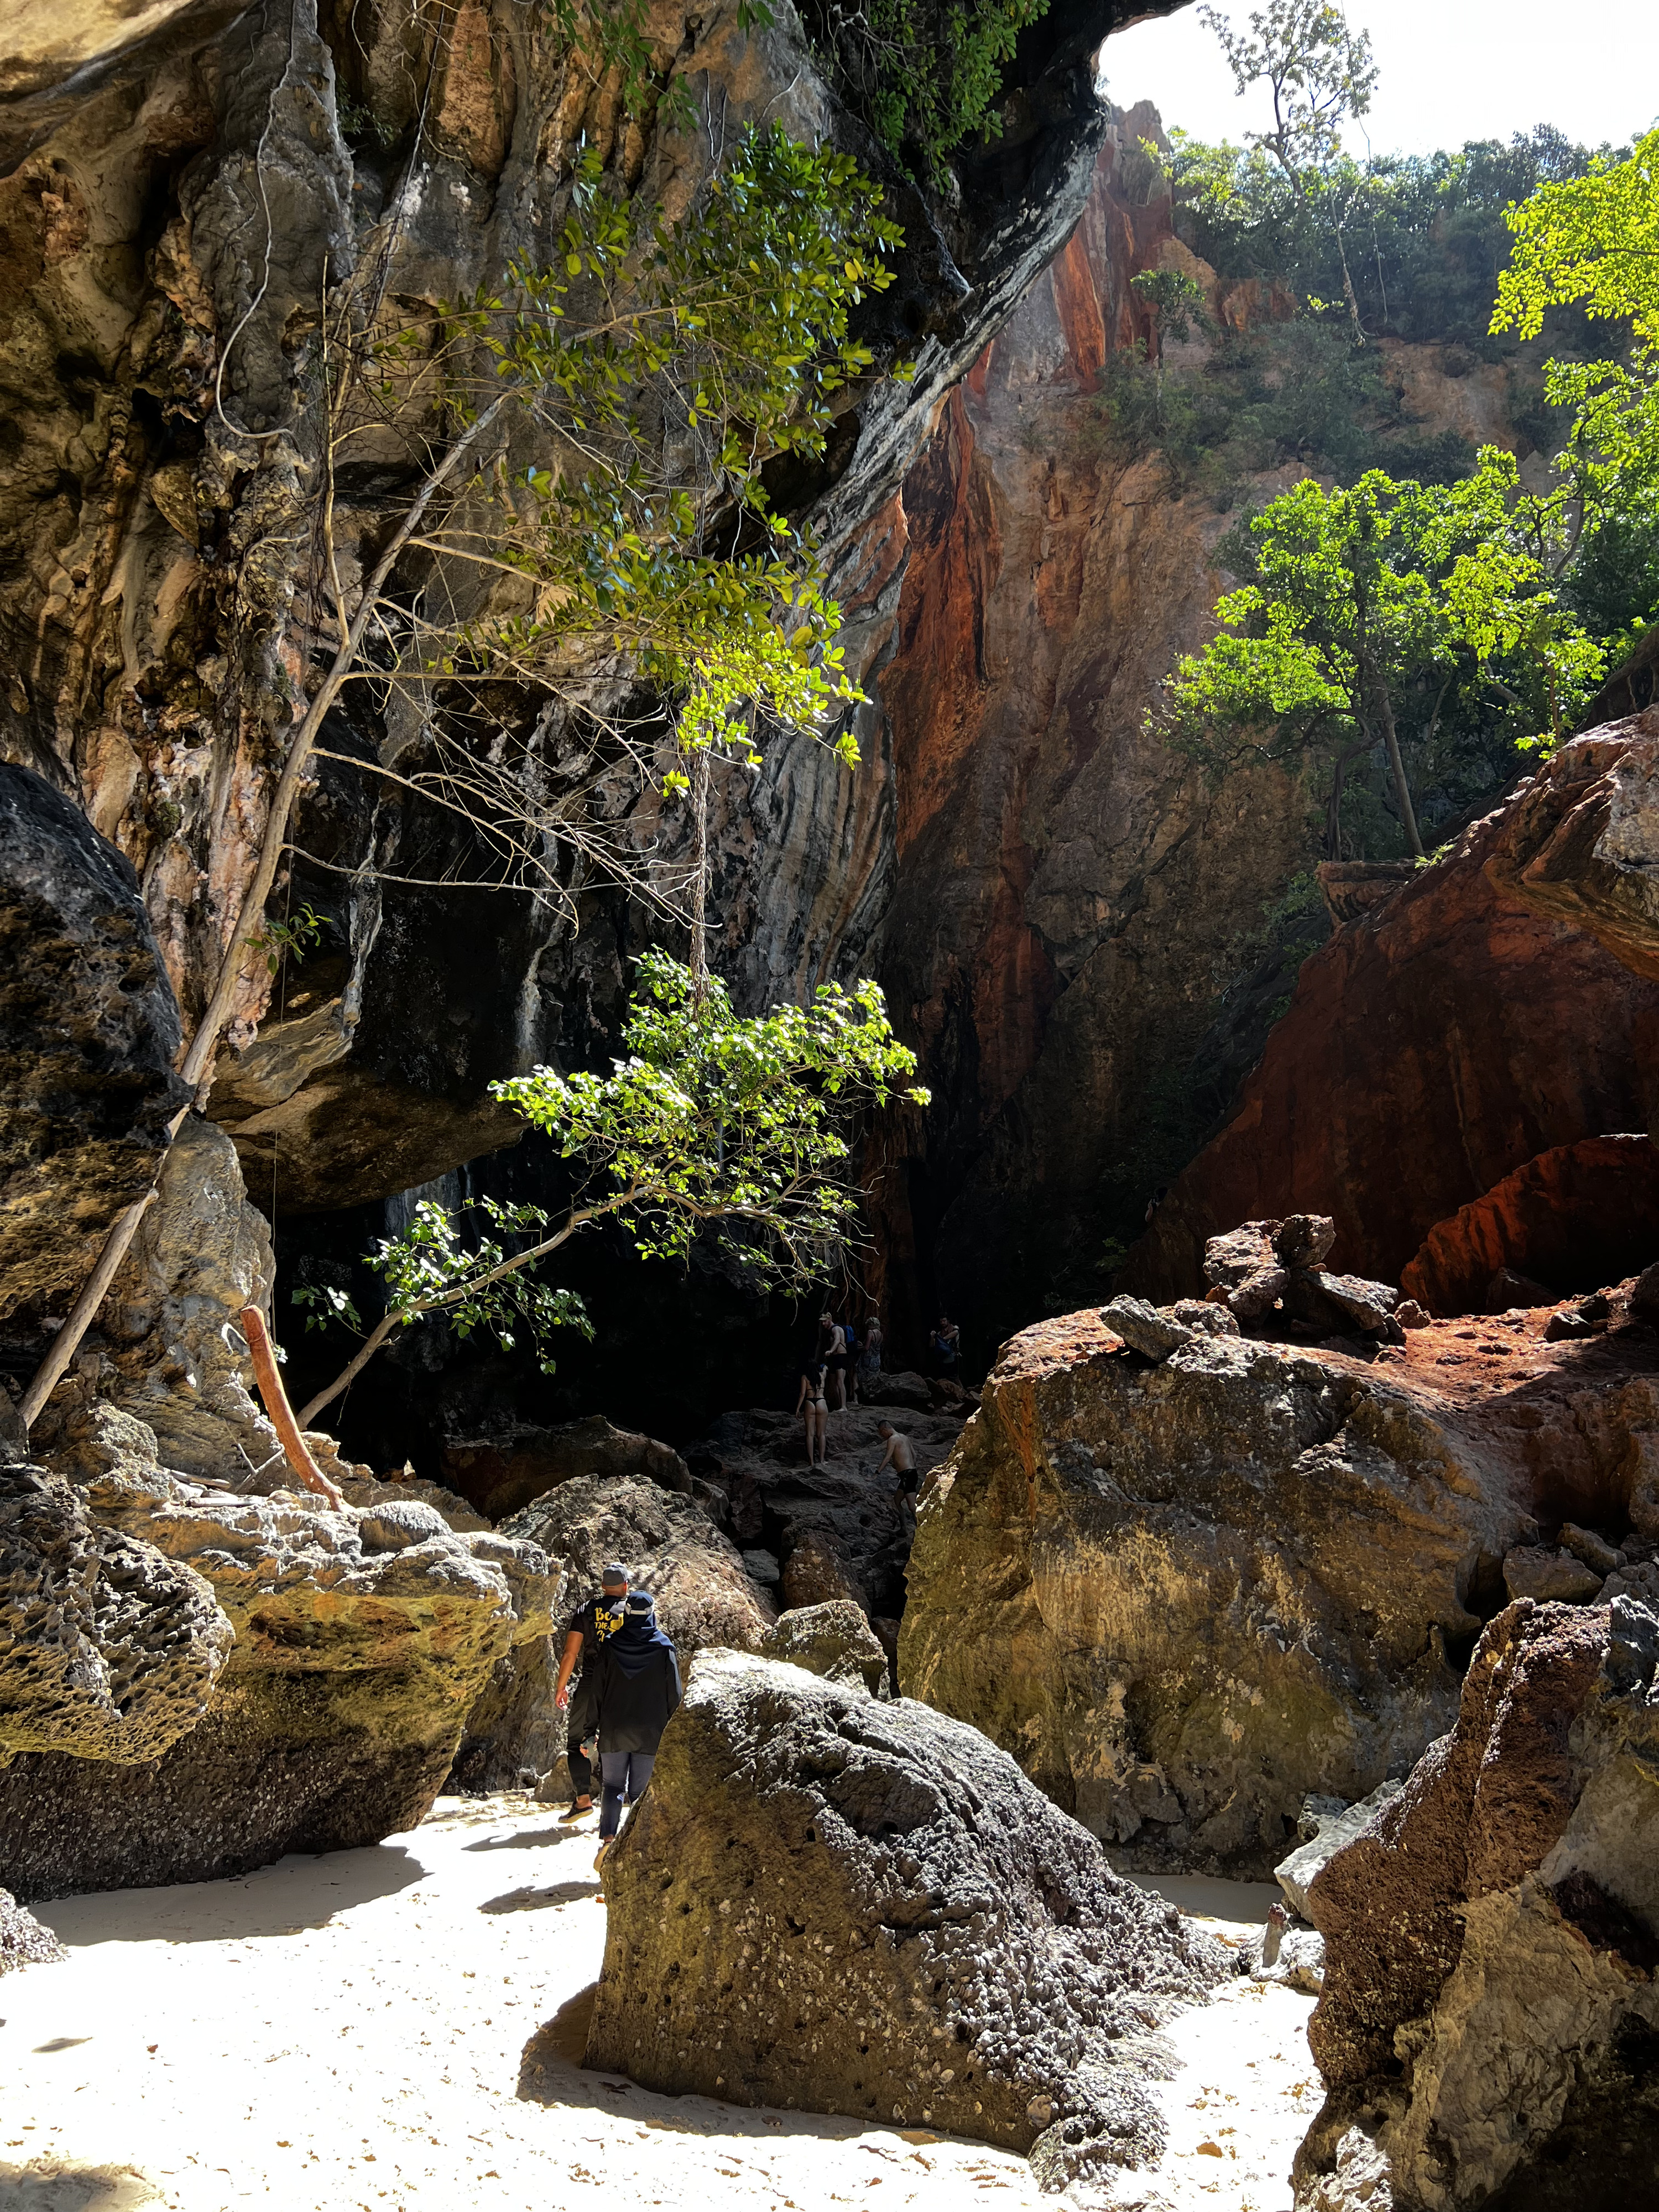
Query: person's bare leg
<point x="824" y="1433"/>
<point x="808" y="1420"/>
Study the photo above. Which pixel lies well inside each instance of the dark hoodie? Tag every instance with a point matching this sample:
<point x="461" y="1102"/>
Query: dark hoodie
<point x="637" y="1683"/>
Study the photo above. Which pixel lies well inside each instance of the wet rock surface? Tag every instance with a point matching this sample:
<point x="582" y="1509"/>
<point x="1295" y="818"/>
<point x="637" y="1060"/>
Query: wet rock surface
<point x="1186" y="1596"/>
<point x="363" y="1638"/>
<point x="831" y="1903"/>
<point x="1491" y="1940"/>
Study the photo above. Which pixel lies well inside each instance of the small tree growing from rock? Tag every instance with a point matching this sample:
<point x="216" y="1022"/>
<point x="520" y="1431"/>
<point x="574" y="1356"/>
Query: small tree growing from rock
<point x="713" y="1121"/>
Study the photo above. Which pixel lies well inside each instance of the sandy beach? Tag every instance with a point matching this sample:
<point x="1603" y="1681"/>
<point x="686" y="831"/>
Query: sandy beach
<point x="398" y="2027"/>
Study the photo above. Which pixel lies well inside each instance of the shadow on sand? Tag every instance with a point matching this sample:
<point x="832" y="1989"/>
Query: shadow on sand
<point x="538" y="1901"/>
<point x="275" y="1900"/>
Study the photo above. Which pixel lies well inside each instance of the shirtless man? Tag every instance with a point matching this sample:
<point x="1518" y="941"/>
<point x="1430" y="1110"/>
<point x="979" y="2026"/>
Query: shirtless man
<point x="901" y="1457"/>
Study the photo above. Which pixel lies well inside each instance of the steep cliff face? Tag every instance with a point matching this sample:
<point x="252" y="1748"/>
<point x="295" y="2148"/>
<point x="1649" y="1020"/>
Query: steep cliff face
<point x="1497" y="1006"/>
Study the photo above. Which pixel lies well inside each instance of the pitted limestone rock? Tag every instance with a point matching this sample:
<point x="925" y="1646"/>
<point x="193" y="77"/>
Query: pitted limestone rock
<point x="829" y="1902"/>
<point x="23" y="1941"/>
<point x="107" y="1649"/>
<point x="835" y="1640"/>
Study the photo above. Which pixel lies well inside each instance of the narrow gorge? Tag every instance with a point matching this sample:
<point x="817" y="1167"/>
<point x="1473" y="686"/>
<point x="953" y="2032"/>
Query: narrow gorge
<point x="801" y="832"/>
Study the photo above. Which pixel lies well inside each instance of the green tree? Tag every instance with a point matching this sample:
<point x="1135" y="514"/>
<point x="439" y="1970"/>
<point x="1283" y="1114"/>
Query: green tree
<point x="1319" y="74"/>
<point x="713" y="1121"/>
<point x="1366" y="604"/>
<point x="1592" y="242"/>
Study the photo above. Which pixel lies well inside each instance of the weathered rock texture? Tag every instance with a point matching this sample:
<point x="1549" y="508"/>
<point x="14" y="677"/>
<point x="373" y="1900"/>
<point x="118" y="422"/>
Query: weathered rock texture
<point x="88" y="1032"/>
<point x="23" y="1941"/>
<point x="827" y="1902"/>
<point x="1453" y="1031"/>
<point x="1186" y="1595"/>
<point x="1495" y="1934"/>
<point x="362" y="1639"/>
<point x="832" y="1639"/>
<point x="670" y="1547"/>
<point x="108" y="1648"/>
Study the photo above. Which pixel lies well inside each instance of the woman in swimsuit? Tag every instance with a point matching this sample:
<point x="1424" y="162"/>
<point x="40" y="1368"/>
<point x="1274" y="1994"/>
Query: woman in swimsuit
<point x="813" y="1407"/>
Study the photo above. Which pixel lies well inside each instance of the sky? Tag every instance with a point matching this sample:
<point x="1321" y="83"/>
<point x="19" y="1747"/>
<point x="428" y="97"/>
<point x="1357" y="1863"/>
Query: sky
<point x="1451" y="71"/>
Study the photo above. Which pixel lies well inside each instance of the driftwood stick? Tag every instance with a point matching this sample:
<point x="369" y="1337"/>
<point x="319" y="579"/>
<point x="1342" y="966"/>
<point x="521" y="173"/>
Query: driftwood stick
<point x="269" y="1378"/>
<point x="49" y="1371"/>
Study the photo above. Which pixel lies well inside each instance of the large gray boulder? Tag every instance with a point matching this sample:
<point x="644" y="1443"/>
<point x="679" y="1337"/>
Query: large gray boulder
<point x="830" y="1903"/>
<point x="835" y="1640"/>
<point x="1492" y="1940"/>
<point x="1327" y="1826"/>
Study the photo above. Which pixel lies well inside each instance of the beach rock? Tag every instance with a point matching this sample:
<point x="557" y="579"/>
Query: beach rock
<point x="1508" y="1290"/>
<point x="502" y="1478"/>
<point x="1325" y="1825"/>
<point x="763" y="1568"/>
<point x="1304" y="1240"/>
<point x="362" y="1639"/>
<point x="1496" y="1928"/>
<point x="1595" y="1552"/>
<point x="88" y="1029"/>
<point x="108" y="1650"/>
<point x="833" y="1640"/>
<point x="670" y="1547"/>
<point x="1233" y="1258"/>
<point x="23" y="1941"/>
<point x="819" y="1571"/>
<point x="1532" y="1570"/>
<point x="1292" y="1958"/>
<point x="831" y="1903"/>
<point x="1184" y="1598"/>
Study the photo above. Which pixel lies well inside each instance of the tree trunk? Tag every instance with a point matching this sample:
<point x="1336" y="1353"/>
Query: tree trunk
<point x="699" y="902"/>
<point x="268" y="1376"/>
<point x="1397" y="768"/>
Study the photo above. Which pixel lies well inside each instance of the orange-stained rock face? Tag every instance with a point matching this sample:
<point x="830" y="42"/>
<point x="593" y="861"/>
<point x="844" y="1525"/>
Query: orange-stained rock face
<point x="1451" y="1033"/>
<point x="1068" y="895"/>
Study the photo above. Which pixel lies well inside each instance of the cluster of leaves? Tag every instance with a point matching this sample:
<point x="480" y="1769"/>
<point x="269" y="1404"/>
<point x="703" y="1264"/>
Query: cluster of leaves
<point x="711" y="1122"/>
<point x="1375" y="605"/>
<point x="274" y="941"/>
<point x="926" y="75"/>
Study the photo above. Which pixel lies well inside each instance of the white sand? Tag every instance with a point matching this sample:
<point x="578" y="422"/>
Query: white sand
<point x="347" y="2031"/>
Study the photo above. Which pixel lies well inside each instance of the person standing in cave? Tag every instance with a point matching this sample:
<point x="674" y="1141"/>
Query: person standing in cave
<point x="599" y="1620"/>
<point x="946" y="1344"/>
<point x="901" y="1457"/>
<point x="636" y="1690"/>
<point x="813" y="1406"/>
<point x="832" y="1350"/>
<point x="849" y="1337"/>
<point x="870" y="1358"/>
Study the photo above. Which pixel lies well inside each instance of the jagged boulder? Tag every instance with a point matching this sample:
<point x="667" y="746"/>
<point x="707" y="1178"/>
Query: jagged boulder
<point x="1186" y="1596"/>
<point x="832" y="1903"/>
<point x="108" y="1648"/>
<point x="833" y="1640"/>
<point x="1327" y="1826"/>
<point x="704" y="1594"/>
<point x="89" y="1028"/>
<point x="1492" y="1939"/>
<point x="362" y="1639"/>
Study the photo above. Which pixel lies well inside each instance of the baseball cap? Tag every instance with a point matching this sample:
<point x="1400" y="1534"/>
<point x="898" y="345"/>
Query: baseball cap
<point x="613" y="1576"/>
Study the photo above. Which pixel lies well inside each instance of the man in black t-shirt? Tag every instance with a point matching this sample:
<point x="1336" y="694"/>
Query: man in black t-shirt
<point x="584" y="1631"/>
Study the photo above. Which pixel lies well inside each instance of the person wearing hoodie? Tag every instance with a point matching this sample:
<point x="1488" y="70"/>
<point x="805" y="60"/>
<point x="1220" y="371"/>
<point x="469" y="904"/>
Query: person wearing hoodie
<point x="637" y="1688"/>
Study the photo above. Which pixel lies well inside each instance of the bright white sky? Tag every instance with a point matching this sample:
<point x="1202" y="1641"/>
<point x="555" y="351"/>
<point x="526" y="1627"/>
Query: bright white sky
<point x="1451" y="69"/>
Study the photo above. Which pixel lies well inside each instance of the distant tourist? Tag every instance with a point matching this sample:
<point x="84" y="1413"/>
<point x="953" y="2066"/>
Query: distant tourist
<point x="832" y="1350"/>
<point x="599" y="1620"/>
<point x="637" y="1688"/>
<point x="870" y="1357"/>
<point x="813" y="1406"/>
<point x="946" y="1345"/>
<point x="901" y="1457"/>
<point x="849" y="1338"/>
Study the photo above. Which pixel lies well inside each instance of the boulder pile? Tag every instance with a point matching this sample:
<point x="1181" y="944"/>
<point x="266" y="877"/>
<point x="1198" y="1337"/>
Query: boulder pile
<point x="834" y="1903"/>
<point x="1492" y="1939"/>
